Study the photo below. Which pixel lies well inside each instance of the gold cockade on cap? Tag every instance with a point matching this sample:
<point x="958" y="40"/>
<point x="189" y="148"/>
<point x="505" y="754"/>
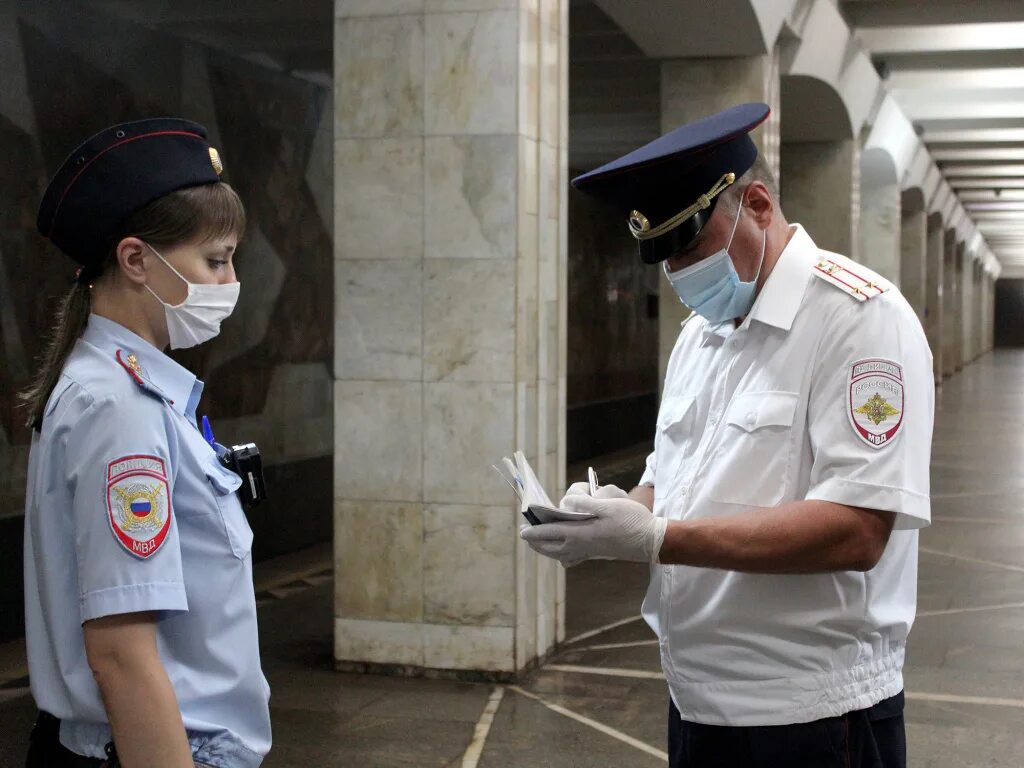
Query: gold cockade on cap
<point x="215" y="161"/>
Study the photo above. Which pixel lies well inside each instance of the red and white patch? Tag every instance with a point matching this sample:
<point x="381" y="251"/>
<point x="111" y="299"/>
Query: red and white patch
<point x="875" y="401"/>
<point x="139" y="503"/>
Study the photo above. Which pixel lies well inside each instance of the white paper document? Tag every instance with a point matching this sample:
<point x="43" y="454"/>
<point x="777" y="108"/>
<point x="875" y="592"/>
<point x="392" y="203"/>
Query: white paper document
<point x="534" y="502"/>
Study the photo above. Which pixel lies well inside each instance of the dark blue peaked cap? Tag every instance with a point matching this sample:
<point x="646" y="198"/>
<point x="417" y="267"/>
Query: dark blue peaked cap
<point x="115" y="174"/>
<point x="662" y="187"/>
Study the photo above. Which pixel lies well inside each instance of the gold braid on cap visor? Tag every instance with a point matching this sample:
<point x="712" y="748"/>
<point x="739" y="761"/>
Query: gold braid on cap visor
<point x="641" y="228"/>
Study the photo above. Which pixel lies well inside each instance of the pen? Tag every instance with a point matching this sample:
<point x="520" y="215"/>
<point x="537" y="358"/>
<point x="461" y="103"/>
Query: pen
<point x="208" y="431"/>
<point x="592" y="480"/>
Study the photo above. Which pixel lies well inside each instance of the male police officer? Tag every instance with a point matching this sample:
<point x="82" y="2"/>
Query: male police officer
<point x="789" y="474"/>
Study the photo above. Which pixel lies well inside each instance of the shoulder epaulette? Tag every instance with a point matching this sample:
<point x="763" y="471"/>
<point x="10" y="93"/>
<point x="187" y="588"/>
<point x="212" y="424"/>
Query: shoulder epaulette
<point x="858" y="281"/>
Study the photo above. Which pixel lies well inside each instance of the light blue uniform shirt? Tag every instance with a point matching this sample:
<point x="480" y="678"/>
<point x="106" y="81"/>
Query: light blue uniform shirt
<point x="127" y="510"/>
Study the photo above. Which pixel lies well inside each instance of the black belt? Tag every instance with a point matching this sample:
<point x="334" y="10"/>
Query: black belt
<point x="46" y="751"/>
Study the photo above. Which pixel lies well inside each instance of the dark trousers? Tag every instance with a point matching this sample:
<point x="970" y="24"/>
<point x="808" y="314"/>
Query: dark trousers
<point x="46" y="751"/>
<point x="868" y="738"/>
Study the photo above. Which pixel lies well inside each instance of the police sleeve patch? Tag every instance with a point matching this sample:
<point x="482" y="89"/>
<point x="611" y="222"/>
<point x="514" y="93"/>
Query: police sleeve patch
<point x="875" y="401"/>
<point x="139" y="503"/>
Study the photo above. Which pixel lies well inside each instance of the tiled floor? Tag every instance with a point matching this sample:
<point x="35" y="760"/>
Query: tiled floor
<point x="965" y="674"/>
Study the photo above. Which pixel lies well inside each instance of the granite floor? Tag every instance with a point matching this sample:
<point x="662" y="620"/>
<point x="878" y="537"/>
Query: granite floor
<point x="601" y="702"/>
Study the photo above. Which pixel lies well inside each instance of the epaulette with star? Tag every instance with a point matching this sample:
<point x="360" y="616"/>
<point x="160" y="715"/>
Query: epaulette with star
<point x="858" y="281"/>
<point x="131" y="364"/>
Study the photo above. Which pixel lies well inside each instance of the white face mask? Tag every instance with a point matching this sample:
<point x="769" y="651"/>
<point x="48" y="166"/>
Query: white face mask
<point x="198" y="317"/>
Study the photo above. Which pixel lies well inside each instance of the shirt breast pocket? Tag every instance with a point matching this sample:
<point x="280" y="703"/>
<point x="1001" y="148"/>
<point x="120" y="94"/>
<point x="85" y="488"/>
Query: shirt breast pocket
<point x="673" y="440"/>
<point x="225" y="483"/>
<point x="752" y="464"/>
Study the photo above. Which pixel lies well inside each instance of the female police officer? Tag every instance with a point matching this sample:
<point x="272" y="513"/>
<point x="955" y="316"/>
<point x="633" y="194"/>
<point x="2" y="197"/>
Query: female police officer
<point x="140" y="611"/>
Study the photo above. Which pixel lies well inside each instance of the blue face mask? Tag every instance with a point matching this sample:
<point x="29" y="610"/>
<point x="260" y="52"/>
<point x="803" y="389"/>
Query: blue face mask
<point x="712" y="288"/>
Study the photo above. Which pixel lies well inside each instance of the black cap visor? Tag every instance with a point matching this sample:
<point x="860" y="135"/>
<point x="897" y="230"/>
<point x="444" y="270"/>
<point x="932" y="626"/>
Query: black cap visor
<point x="676" y="240"/>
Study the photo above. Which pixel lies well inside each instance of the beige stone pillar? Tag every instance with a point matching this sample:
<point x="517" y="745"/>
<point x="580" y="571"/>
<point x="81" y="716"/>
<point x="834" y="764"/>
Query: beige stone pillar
<point x="450" y="174"/>
<point x="950" y="314"/>
<point x="695" y="88"/>
<point x="960" y="318"/>
<point x="981" y="291"/>
<point x="933" y="313"/>
<point x="878" y="235"/>
<point x="821" y="190"/>
<point x="913" y="244"/>
<point x="967" y="300"/>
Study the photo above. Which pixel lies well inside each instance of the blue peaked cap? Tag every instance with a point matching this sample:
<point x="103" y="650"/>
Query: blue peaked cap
<point x="659" y="187"/>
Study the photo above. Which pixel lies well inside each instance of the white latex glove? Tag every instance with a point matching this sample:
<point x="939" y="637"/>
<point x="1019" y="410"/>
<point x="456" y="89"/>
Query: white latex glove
<point x="603" y="492"/>
<point x="622" y="529"/>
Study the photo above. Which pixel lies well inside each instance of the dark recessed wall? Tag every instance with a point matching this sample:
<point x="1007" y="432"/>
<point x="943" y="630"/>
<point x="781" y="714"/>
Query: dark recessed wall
<point x="71" y="71"/>
<point x="1009" y="313"/>
<point x="612" y="337"/>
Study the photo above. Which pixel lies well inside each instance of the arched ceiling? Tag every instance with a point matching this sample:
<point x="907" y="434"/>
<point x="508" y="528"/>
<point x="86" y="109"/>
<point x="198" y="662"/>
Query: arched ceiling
<point x="959" y="78"/>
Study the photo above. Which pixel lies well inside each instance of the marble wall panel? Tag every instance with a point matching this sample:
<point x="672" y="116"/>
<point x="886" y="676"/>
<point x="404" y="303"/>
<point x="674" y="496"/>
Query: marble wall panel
<point x="550" y="82"/>
<point x="378" y="452"/>
<point x="526" y="597"/>
<point x="466" y="428"/>
<point x="471" y="73"/>
<point x="378" y="642"/>
<point x="378" y="73"/>
<point x="378" y="194"/>
<point x="462" y="6"/>
<point x="349" y="8"/>
<point x="529" y="184"/>
<point x="468" y="564"/>
<point x="470" y="204"/>
<point x="530" y="72"/>
<point x="469" y="320"/>
<point x="378" y="319"/>
<point x="449" y="646"/>
<point x="378" y="551"/>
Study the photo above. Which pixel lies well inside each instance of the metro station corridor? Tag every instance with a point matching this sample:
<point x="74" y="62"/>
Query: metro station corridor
<point x="601" y="699"/>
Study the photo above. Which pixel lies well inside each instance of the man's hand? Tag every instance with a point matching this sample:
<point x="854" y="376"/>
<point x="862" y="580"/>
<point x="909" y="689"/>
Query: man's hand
<point x="621" y="529"/>
<point x="604" y="492"/>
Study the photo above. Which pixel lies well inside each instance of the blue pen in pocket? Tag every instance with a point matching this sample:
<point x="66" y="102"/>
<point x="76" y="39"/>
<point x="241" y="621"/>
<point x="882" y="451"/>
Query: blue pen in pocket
<point x="208" y="432"/>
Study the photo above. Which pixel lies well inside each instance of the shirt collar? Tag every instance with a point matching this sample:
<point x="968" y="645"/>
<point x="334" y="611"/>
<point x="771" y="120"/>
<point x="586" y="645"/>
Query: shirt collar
<point x="179" y="385"/>
<point x="783" y="291"/>
<point x="720" y="332"/>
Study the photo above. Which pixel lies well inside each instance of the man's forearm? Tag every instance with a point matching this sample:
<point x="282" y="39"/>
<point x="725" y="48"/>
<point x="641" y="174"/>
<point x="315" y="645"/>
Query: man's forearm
<point x="799" y="537"/>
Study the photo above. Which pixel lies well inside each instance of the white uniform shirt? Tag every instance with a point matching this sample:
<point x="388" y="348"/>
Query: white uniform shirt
<point x="129" y="510"/>
<point x="819" y="394"/>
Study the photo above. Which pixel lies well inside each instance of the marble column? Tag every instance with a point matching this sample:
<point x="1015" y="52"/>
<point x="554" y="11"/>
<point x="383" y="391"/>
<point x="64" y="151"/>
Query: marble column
<point x="933" y="313"/>
<point x="879" y="234"/>
<point x="913" y="261"/>
<point x="950" y="307"/>
<point x="966" y="307"/>
<point x="960" y="258"/>
<point x="692" y="89"/>
<point x="981" y="301"/>
<point x="450" y="173"/>
<point x="821" y="190"/>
